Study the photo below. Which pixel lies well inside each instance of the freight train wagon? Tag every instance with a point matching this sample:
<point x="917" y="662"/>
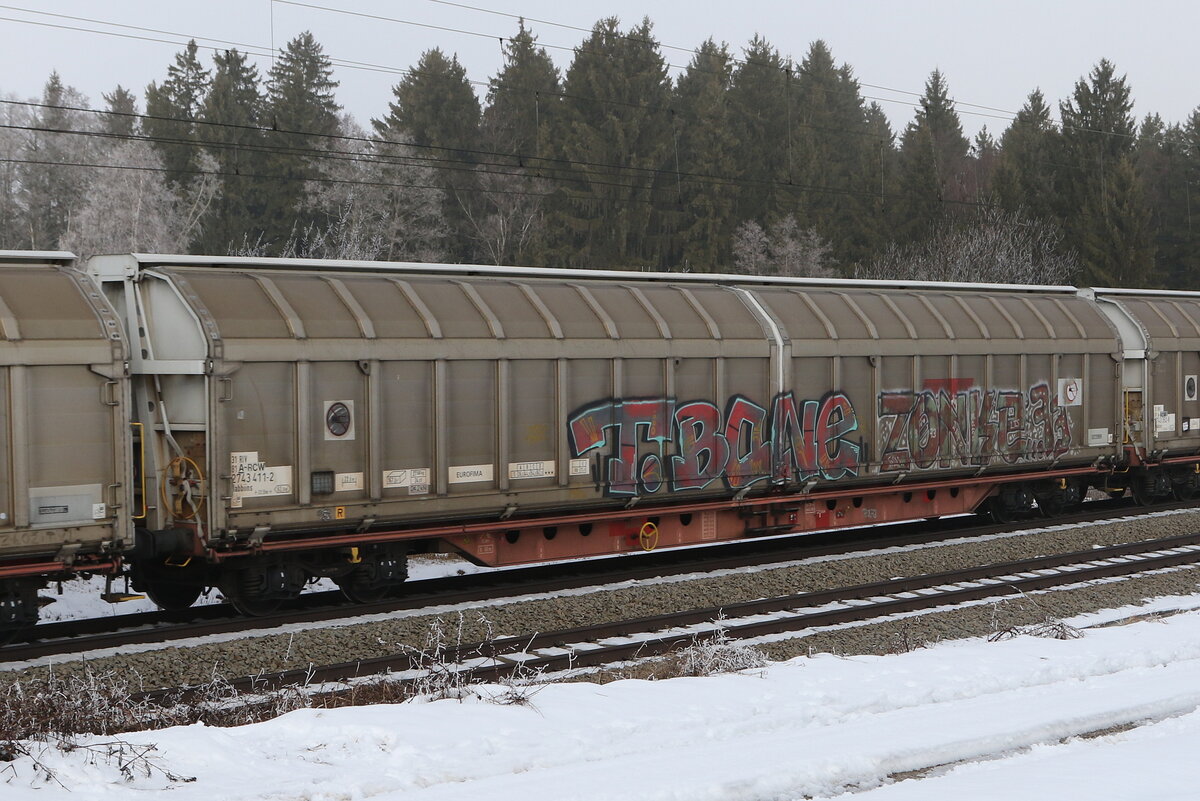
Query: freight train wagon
<point x="64" y="410"/>
<point x="289" y="419"/>
<point x="302" y="419"/>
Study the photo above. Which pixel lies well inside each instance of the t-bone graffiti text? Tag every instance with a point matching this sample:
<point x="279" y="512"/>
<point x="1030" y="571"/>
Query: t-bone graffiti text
<point x="653" y="445"/>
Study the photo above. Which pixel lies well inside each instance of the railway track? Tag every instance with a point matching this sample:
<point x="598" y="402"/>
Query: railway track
<point x="608" y="643"/>
<point x="69" y="637"/>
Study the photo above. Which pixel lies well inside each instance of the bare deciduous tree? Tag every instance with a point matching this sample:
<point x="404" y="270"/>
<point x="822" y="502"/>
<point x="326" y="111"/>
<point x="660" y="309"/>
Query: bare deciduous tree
<point x="998" y="247"/>
<point x="377" y="202"/>
<point x="506" y="215"/>
<point x="784" y="249"/>
<point x="129" y="207"/>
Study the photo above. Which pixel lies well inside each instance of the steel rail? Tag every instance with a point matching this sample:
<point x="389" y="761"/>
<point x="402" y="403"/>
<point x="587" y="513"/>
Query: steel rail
<point x="584" y="646"/>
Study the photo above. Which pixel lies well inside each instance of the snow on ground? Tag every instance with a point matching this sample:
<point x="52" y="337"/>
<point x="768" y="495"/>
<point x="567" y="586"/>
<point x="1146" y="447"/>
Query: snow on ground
<point x="966" y="719"/>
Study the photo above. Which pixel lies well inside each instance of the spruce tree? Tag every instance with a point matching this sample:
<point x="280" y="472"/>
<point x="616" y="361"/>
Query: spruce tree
<point x="933" y="163"/>
<point x="520" y="122"/>
<point x="832" y="151"/>
<point x="706" y="145"/>
<point x="436" y="110"/>
<point x="759" y="112"/>
<point x="1161" y="160"/>
<point x="619" y="146"/>
<point x="302" y="114"/>
<point x="51" y="182"/>
<point x="121" y="119"/>
<point x="523" y="102"/>
<point x="1025" y="176"/>
<point x="1101" y="204"/>
<point x="231" y="115"/>
<point x="171" y="110"/>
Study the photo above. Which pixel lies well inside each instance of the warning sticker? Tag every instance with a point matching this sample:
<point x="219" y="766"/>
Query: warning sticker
<point x="254" y="478"/>
<point x="580" y="467"/>
<point x="1070" y="392"/>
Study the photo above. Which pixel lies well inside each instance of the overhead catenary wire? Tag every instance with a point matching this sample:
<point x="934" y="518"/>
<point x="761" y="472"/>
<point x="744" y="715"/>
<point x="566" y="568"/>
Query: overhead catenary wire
<point x="788" y="66"/>
<point x="550" y="165"/>
<point x="445" y="161"/>
<point x="403" y="161"/>
<point x="270" y="52"/>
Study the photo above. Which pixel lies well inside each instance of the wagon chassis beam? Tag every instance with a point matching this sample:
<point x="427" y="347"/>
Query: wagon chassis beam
<point x="764" y="504"/>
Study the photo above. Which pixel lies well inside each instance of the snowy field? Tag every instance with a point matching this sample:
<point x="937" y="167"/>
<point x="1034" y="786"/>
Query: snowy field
<point x="968" y="719"/>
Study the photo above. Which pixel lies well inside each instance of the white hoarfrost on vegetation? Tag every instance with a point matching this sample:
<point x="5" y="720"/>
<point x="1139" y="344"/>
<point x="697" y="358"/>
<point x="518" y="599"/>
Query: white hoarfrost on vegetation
<point x="128" y="206"/>
<point x="783" y="248"/>
<point x="997" y="247"/>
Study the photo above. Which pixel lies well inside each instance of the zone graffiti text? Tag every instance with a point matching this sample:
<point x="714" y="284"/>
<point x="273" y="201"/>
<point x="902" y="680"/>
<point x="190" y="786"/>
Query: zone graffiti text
<point x="937" y="428"/>
<point x="661" y="445"/>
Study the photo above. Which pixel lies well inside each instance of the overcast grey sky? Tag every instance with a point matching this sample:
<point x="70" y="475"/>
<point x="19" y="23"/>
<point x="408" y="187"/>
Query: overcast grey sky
<point x="992" y="53"/>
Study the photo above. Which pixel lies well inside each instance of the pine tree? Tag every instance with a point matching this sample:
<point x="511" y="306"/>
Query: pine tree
<point x="171" y="110"/>
<point x="933" y="160"/>
<point x="50" y="178"/>
<point x="832" y="151"/>
<point x="121" y="119"/>
<point x="302" y="114"/>
<point x="231" y="115"/>
<point x="1025" y="177"/>
<point x="760" y="118"/>
<point x="1102" y="207"/>
<point x="436" y="110"/>
<point x="507" y="218"/>
<point x="706" y="146"/>
<point x="618" y="141"/>
<point x="1161" y="161"/>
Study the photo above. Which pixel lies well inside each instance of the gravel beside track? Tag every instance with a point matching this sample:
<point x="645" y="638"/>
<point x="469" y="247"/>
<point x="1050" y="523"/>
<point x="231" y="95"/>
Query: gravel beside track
<point x="296" y="649"/>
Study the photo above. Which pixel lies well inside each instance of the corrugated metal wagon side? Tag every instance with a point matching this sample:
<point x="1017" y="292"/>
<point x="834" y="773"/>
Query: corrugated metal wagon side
<point x="1160" y="397"/>
<point x="316" y="418"/>
<point x="64" y="446"/>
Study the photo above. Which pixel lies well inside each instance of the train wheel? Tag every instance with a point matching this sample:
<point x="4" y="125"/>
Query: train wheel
<point x="363" y="593"/>
<point x="256" y="606"/>
<point x="378" y="575"/>
<point x="1150" y="487"/>
<point x="1010" y="504"/>
<point x="1185" y="486"/>
<point x="18" y="607"/>
<point x="261" y="589"/>
<point x="171" y="596"/>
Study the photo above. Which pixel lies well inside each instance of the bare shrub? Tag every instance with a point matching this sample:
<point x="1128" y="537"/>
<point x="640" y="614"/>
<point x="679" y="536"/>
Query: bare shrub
<point x="718" y="654"/>
<point x="784" y="249"/>
<point x="996" y="247"/>
<point x="440" y="660"/>
<point x="1048" y="629"/>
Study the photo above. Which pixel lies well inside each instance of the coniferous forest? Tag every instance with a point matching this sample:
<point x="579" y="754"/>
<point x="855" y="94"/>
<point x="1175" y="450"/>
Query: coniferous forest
<point x="746" y="161"/>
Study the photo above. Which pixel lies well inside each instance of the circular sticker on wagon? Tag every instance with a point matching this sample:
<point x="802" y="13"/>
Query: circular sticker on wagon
<point x="339" y="420"/>
<point x="1070" y="392"/>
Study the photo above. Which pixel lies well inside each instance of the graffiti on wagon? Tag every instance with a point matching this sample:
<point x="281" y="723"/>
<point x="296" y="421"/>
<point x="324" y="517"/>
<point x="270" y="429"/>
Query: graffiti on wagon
<point x="654" y="445"/>
<point x="954" y="423"/>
